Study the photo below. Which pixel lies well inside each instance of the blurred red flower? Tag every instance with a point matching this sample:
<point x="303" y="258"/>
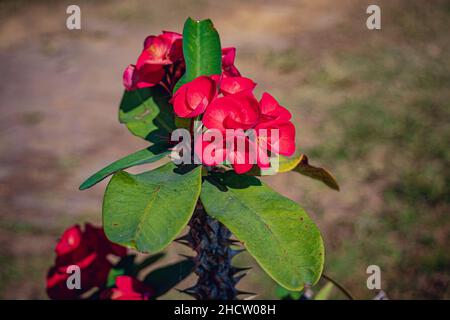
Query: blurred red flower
<point x="86" y="249"/>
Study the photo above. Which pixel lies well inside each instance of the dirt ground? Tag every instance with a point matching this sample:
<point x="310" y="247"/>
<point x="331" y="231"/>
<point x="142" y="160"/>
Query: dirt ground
<point x="372" y="106"/>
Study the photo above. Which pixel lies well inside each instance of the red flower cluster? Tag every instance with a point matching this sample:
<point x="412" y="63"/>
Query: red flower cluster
<point x="86" y="249"/>
<point x="228" y="102"/>
<point x="162" y="62"/>
<point x="224" y="101"/>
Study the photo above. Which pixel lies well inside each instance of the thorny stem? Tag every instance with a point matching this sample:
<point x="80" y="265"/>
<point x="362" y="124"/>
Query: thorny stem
<point x="211" y="241"/>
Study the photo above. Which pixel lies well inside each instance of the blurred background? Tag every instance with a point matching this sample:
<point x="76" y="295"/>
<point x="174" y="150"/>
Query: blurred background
<point x="371" y="106"/>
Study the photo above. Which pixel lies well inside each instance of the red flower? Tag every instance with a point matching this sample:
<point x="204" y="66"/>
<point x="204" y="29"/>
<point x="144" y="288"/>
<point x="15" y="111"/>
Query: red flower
<point x="228" y="68"/>
<point x="211" y="148"/>
<point x="97" y="240"/>
<point x="88" y="251"/>
<point x="192" y="98"/>
<point x="272" y="110"/>
<point x="239" y="149"/>
<point x="237" y="111"/>
<point x="128" y="288"/>
<point x="232" y="85"/>
<point x="146" y="76"/>
<point x="159" y="53"/>
<point x="283" y="143"/>
<point x="130" y="77"/>
<point x="161" y="50"/>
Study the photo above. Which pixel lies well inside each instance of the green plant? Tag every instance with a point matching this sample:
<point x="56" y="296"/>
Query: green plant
<point x="148" y="211"/>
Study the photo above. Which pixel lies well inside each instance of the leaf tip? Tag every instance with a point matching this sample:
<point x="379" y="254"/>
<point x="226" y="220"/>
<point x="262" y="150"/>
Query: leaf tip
<point x="85" y="185"/>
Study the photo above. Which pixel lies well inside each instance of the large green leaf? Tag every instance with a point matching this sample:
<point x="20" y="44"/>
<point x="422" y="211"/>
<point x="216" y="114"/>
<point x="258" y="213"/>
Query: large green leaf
<point x="147" y="113"/>
<point x="147" y="155"/>
<point x="201" y="50"/>
<point x="148" y="210"/>
<point x="275" y="230"/>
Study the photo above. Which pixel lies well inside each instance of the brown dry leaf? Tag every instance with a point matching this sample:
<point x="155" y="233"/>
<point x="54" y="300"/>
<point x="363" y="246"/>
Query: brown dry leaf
<point x="317" y="173"/>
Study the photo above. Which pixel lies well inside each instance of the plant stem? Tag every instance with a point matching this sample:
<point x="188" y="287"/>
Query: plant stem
<point x="211" y="241"/>
<point x="339" y="286"/>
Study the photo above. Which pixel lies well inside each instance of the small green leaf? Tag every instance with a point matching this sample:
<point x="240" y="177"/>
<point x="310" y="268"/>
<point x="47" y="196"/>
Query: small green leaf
<point x="112" y="275"/>
<point x="299" y="163"/>
<point x="125" y="266"/>
<point x="317" y="173"/>
<point x="147" y="155"/>
<point x="148" y="210"/>
<point x="275" y="230"/>
<point x="286" y="164"/>
<point x="163" y="279"/>
<point x="201" y="50"/>
<point x="147" y="113"/>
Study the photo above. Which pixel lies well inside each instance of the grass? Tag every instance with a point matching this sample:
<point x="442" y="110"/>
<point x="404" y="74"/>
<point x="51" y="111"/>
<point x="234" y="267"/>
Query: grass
<point x="401" y="112"/>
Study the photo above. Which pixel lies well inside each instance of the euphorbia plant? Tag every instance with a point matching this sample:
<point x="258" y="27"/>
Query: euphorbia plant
<point x="188" y="81"/>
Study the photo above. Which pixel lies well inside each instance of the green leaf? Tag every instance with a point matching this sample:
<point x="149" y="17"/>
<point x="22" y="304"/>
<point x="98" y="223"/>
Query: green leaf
<point x="325" y="292"/>
<point x="147" y="113"/>
<point x="286" y="164"/>
<point x="163" y="279"/>
<point x="148" y="210"/>
<point x="183" y="122"/>
<point x="201" y="50"/>
<point x="112" y="275"/>
<point x="147" y="155"/>
<point x="275" y="230"/>
<point x="299" y="163"/>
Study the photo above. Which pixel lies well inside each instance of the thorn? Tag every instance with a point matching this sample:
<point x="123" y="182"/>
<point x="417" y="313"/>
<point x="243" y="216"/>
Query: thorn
<point x="251" y="297"/>
<point x="234" y="253"/>
<point x="236" y="270"/>
<point x="232" y="242"/>
<point x="184" y="243"/>
<point x="185" y="256"/>
<point x="186" y="239"/>
<point x="239" y="277"/>
<point x="238" y="292"/>
<point x="189" y="291"/>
